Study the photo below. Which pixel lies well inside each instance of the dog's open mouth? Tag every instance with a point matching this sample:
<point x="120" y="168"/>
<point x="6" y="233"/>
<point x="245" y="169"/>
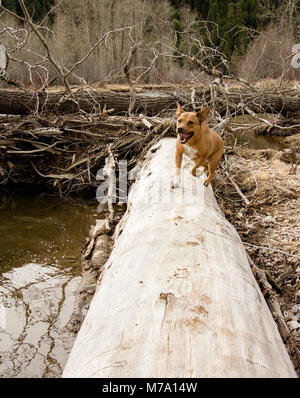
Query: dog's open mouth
<point x="184" y="137"/>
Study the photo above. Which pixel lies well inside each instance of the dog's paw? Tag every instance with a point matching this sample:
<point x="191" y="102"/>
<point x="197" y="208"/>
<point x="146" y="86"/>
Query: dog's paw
<point x="175" y="184"/>
<point x="206" y="182"/>
<point x="199" y="172"/>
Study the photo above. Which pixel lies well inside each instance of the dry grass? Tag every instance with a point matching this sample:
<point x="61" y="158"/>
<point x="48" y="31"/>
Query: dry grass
<point x="271" y="178"/>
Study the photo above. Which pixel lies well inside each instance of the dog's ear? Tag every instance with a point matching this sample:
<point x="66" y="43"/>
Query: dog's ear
<point x="179" y="110"/>
<point x="202" y="115"/>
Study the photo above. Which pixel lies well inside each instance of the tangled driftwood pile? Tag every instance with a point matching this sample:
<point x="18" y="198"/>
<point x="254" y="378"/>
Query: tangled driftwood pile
<point x="67" y="151"/>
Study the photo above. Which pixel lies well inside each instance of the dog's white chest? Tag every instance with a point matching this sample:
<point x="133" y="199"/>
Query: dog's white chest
<point x="189" y="151"/>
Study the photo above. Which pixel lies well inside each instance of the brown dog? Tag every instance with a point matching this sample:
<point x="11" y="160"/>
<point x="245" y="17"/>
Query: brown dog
<point x="197" y="141"/>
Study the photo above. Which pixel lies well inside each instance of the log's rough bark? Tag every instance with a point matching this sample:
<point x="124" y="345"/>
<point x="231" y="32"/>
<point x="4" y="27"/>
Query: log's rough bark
<point x="177" y="297"/>
<point x="261" y="103"/>
<point x="21" y="103"/>
<point x="149" y="103"/>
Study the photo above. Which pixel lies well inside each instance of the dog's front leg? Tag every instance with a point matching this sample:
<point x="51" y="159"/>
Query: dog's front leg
<point x="178" y="161"/>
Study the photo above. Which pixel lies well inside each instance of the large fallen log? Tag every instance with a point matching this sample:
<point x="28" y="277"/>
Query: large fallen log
<point x="17" y="102"/>
<point x="177" y="297"/>
<point x="259" y="102"/>
<point x="21" y="103"/>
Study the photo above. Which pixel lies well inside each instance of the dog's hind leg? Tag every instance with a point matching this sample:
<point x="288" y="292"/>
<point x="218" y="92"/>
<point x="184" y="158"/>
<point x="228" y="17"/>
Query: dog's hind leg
<point x="213" y="162"/>
<point x="199" y="162"/>
<point x="202" y="169"/>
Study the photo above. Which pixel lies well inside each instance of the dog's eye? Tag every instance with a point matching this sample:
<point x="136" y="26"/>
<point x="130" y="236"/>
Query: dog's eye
<point x="179" y="121"/>
<point x="190" y="122"/>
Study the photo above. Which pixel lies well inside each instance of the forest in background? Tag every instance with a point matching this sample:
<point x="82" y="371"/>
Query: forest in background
<point x="252" y="39"/>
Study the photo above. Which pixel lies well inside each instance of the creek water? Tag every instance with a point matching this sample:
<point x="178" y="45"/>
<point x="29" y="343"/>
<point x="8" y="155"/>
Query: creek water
<point x="253" y="141"/>
<point x="41" y="239"/>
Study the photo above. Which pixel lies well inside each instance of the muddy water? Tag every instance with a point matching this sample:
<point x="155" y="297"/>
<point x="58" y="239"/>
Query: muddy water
<point x="40" y="245"/>
<point x="250" y="140"/>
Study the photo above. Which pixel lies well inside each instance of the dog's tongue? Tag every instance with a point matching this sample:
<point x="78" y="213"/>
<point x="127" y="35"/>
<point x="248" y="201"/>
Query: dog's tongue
<point x="184" y="137"/>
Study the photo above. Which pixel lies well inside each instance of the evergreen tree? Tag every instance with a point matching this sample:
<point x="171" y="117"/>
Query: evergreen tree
<point x="36" y="8"/>
<point x="231" y="20"/>
<point x="177" y="28"/>
<point x="249" y="13"/>
<point x="225" y="16"/>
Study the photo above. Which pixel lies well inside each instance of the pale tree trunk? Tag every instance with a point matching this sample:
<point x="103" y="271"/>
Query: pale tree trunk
<point x="177" y="296"/>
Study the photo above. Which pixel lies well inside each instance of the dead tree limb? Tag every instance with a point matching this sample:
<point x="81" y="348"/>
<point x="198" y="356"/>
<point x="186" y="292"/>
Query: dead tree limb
<point x="247" y="202"/>
<point x="45" y="45"/>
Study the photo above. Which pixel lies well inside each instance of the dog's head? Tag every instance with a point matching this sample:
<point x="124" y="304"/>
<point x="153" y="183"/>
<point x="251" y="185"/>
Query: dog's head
<point x="189" y="123"/>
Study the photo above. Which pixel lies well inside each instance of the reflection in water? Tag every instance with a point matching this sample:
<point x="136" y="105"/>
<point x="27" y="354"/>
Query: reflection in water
<point x="43" y="230"/>
<point x="36" y="304"/>
<point x="40" y="244"/>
